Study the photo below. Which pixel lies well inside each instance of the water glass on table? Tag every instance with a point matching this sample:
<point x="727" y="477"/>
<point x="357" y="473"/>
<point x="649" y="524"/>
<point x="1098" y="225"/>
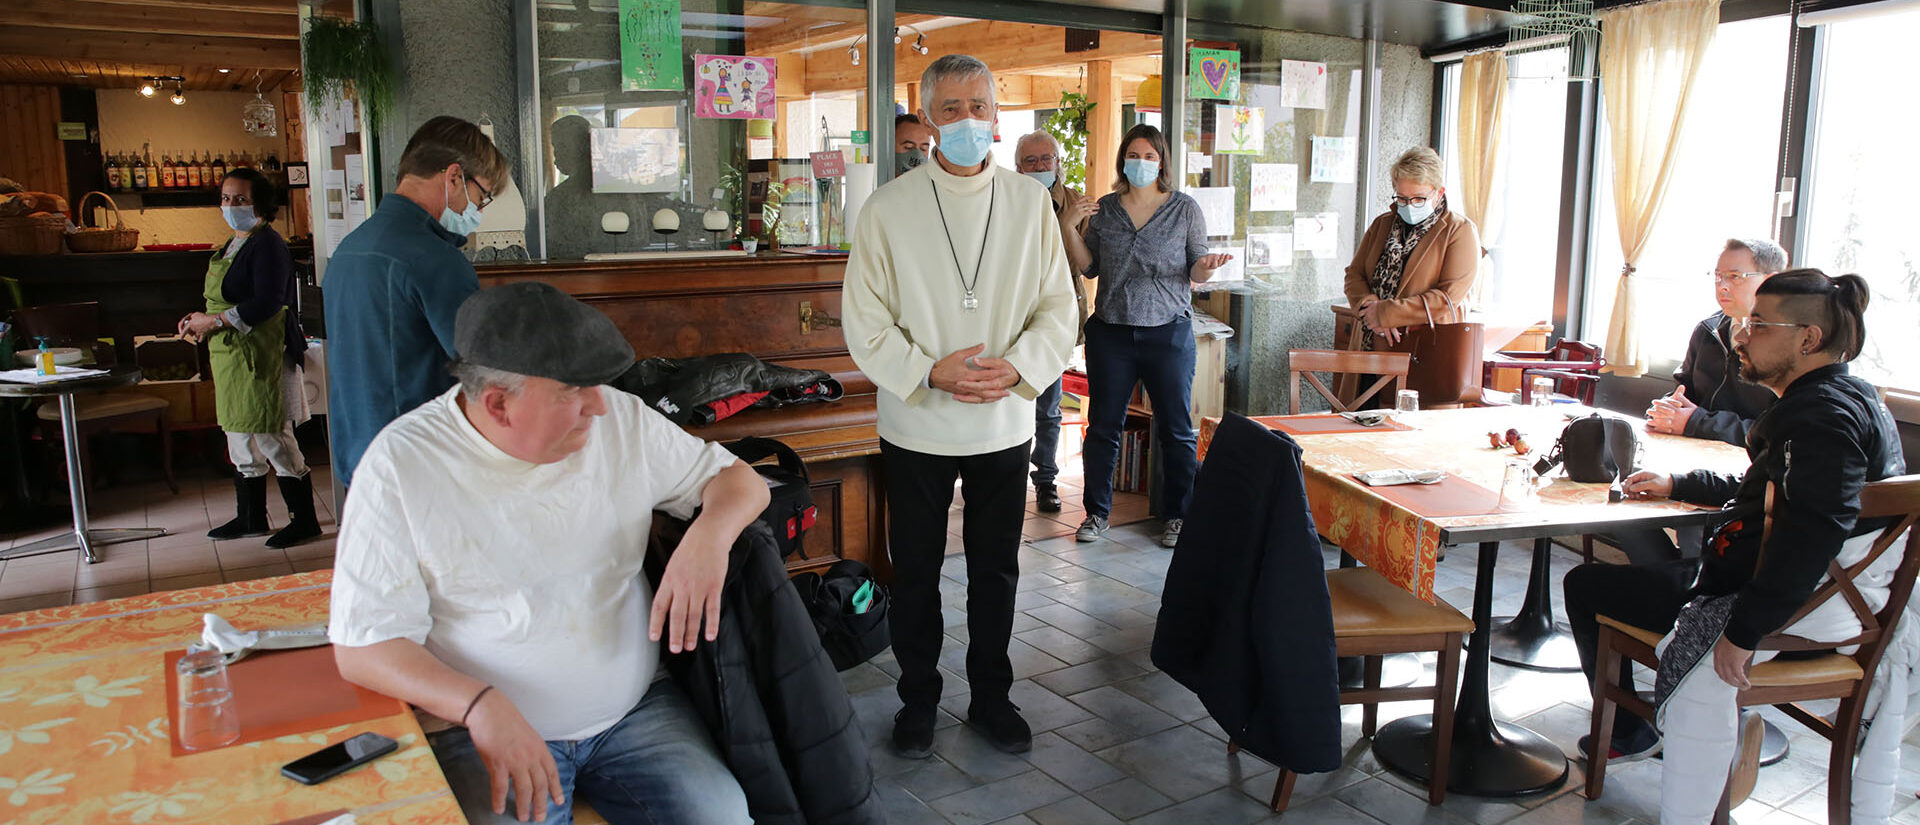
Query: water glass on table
<point x="1406" y="401"/>
<point x="1542" y="391"/>
<point x="1518" y="487"/>
<point x="208" y="716"/>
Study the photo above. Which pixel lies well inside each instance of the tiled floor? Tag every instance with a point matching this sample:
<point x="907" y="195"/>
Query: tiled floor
<point x="1115" y="740"/>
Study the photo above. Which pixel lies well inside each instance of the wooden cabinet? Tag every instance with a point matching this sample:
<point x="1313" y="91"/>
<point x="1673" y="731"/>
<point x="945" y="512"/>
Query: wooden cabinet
<point x="783" y="310"/>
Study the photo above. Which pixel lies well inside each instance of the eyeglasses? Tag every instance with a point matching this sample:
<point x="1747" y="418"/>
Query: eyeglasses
<point x="1723" y="277"/>
<point x="1400" y="201"/>
<point x="1746" y="324"/>
<point x="486" y="197"/>
<point x="1044" y="160"/>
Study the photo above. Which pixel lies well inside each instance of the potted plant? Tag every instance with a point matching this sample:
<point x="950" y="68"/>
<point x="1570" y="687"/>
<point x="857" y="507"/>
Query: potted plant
<point x="343" y="59"/>
<point x="1068" y="124"/>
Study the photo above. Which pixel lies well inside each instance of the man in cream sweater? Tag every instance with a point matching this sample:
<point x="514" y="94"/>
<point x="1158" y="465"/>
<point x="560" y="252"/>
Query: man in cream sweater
<point x="959" y="307"/>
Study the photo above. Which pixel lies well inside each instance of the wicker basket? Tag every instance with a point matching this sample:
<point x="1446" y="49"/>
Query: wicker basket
<point x="118" y="239"/>
<point x="32" y="234"/>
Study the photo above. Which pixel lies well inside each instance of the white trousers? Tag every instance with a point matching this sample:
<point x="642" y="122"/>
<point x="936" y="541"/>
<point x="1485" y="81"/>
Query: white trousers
<point x="254" y="453"/>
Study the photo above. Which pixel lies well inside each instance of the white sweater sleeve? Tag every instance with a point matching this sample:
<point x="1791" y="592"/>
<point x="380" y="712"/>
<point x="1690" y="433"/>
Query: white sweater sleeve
<point x="1041" y="349"/>
<point x="869" y="304"/>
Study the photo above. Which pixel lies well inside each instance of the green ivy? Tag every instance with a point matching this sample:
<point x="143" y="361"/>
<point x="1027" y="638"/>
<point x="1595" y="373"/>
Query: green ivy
<point x="344" y="59"/>
<point x="1069" y="126"/>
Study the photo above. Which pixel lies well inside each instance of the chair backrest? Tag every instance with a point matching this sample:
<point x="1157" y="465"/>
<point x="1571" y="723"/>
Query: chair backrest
<point x="1389" y="366"/>
<point x="1576" y="351"/>
<point x="1897" y="499"/>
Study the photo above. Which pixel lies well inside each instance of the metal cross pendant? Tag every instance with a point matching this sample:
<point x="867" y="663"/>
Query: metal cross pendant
<point x="970" y="303"/>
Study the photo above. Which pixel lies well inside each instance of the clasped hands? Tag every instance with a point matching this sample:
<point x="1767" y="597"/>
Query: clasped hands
<point x="1671" y="413"/>
<point x="971" y="379"/>
<point x="1369" y="312"/>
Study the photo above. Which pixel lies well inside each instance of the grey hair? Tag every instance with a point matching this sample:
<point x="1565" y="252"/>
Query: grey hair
<point x="475" y="379"/>
<point x="956" y="67"/>
<point x="1038" y="134"/>
<point x="1768" y="257"/>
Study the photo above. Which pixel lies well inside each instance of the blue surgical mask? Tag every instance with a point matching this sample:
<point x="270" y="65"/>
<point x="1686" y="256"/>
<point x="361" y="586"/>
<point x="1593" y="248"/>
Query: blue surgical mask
<point x="463" y="222"/>
<point x="1141" y="173"/>
<point x="241" y="218"/>
<point x="1415" y="214"/>
<point x="1045" y="177"/>
<point x="965" y="141"/>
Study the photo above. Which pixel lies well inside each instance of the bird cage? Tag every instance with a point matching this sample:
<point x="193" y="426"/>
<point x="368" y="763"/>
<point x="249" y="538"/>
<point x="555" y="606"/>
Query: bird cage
<point x="1565" y="25"/>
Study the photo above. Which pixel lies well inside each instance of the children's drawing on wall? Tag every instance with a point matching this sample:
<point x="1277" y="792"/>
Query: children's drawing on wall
<point x="739" y="88"/>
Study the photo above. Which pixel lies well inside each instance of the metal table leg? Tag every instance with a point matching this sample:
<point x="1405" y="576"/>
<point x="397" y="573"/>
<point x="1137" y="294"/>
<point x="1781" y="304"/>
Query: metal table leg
<point x="1532" y="639"/>
<point x="83" y="536"/>
<point x="1490" y="758"/>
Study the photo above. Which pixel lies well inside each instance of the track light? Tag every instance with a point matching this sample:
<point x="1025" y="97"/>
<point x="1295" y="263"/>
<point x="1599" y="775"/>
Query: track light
<point x="146" y="88"/>
<point x="853" y="53"/>
<point x="179" y="94"/>
<point x="920" y="44"/>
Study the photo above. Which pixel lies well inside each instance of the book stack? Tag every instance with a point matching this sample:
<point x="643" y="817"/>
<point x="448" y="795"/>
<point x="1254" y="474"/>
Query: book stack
<point x="1131" y="473"/>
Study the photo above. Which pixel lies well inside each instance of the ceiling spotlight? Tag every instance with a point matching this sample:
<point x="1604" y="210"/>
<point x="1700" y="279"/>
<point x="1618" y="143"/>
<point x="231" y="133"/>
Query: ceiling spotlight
<point x="224" y="71"/>
<point x="920" y="44"/>
<point x="896" y="35"/>
<point x="179" y="95"/>
<point x="146" y="88"/>
<point x="853" y="53"/>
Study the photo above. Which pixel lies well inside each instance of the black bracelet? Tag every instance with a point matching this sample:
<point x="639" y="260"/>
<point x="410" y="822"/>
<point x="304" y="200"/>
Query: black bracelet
<point x="473" y="704"/>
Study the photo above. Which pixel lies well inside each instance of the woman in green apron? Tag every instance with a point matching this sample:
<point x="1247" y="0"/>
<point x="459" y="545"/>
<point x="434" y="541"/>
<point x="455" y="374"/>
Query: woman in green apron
<point x="257" y="351"/>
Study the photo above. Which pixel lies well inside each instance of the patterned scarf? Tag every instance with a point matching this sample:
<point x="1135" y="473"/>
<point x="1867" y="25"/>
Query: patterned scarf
<point x="1401" y="240"/>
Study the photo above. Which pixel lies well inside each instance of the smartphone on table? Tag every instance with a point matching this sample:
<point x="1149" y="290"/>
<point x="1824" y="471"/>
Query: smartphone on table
<point x="333" y="760"/>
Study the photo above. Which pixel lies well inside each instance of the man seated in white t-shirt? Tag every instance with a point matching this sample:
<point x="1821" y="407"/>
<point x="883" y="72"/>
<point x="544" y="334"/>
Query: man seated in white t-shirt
<point x="489" y="573"/>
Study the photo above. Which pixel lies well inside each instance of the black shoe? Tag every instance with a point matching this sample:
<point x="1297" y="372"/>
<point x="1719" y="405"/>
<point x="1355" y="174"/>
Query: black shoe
<point x="1001" y="724"/>
<point x="250" y="508"/>
<point x="913" y="733"/>
<point x="1048" y="497"/>
<point x="298" y="493"/>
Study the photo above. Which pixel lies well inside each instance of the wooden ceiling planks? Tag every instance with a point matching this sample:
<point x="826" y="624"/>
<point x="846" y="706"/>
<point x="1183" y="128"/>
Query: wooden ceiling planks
<point x="116" y="43"/>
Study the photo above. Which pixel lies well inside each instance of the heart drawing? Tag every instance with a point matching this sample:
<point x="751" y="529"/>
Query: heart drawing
<point x="1215" y="71"/>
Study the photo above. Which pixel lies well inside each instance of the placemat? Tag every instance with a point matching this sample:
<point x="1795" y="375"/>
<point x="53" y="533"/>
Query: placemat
<point x="1452" y="496"/>
<point x="1325" y="424"/>
<point x="284" y="692"/>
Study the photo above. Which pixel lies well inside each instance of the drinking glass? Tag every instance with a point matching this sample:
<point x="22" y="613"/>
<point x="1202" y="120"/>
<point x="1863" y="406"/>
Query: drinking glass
<point x="1517" y="486"/>
<point x="1407" y="401"/>
<point x="1542" y="391"/>
<point x="208" y="717"/>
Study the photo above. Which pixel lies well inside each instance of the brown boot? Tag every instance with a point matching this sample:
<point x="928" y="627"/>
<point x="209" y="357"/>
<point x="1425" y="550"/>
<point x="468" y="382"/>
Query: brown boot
<point x="1746" y="760"/>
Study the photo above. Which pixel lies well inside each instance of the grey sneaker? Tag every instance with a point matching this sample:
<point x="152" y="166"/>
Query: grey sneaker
<point x="1171" y="538"/>
<point x="1091" y="529"/>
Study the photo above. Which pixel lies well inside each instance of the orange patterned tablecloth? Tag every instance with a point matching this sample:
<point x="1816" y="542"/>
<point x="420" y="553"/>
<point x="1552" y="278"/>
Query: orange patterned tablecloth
<point x="1405" y="546"/>
<point x="84" y="732"/>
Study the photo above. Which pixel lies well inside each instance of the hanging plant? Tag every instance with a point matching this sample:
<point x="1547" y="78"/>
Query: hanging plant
<point x="1068" y="124"/>
<point x="344" y="59"/>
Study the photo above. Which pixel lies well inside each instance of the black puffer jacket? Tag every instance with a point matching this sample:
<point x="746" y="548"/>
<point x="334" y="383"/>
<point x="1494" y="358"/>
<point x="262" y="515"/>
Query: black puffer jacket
<point x="771" y="697"/>
<point x="1711" y="373"/>
<point x="680" y="388"/>
<point x="1827" y="438"/>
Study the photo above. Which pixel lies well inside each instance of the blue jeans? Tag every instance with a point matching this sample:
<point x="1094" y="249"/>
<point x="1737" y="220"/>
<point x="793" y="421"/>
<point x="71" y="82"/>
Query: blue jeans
<point x="1161" y="358"/>
<point x="1046" y="436"/>
<point x="657" y="764"/>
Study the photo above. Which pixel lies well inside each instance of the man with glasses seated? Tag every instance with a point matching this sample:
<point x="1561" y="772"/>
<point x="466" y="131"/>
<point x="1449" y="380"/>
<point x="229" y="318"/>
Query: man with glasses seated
<point x="1828" y="437"/>
<point x="1710" y="399"/>
<point x="1037" y="156"/>
<point x="394" y="284"/>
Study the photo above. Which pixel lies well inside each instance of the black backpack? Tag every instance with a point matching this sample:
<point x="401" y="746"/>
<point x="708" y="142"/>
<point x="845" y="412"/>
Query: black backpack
<point x="849" y="611"/>
<point x="790" y="513"/>
<point x="1597" y="449"/>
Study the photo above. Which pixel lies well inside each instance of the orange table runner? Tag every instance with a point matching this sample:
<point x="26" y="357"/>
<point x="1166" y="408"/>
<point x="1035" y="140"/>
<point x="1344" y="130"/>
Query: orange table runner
<point x="1326" y="425"/>
<point x="84" y="733"/>
<point x="1403" y="545"/>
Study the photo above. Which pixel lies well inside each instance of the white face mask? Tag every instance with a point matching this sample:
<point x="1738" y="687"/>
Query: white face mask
<point x="1415" y="214"/>
<point x="1045" y="177"/>
<point x="463" y="222"/>
<point x="241" y="218"/>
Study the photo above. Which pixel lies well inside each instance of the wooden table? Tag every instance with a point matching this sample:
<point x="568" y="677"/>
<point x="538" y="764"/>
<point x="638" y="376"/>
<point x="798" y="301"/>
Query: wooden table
<point x="1490" y="758"/>
<point x="84" y="732"/>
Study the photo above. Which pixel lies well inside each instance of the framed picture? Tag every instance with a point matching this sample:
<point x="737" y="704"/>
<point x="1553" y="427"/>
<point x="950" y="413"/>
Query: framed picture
<point x="296" y="175"/>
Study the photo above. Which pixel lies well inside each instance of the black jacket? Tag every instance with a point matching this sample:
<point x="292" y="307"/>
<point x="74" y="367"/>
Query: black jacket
<point x="682" y="388"/>
<point x="261" y="281"/>
<point x="1711" y="373"/>
<point x="772" y="699"/>
<point x="1245" y="621"/>
<point x="1827" y="437"/>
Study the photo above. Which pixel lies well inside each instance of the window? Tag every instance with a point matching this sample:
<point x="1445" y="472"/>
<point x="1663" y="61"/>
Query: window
<point x="1722" y="187"/>
<point x="1524" y="233"/>
<point x="1858" y="210"/>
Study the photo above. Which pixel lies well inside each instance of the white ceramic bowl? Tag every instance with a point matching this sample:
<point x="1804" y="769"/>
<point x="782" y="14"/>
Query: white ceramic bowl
<point x="62" y="356"/>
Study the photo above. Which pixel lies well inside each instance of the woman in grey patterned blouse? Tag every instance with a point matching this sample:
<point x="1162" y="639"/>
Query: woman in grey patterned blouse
<point x="1147" y="244"/>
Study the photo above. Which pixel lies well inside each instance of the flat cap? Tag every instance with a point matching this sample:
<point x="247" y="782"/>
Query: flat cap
<point x="532" y="328"/>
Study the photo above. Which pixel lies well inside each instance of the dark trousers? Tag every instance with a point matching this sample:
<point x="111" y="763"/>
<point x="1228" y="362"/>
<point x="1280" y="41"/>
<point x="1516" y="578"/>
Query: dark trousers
<point x="1645" y="596"/>
<point x="919" y="493"/>
<point x="1046" y="436"/>
<point x="1161" y="358"/>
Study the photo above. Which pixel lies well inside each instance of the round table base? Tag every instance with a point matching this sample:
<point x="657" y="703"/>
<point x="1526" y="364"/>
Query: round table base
<point x="1513" y="761"/>
<point x="1524" y="644"/>
<point x="96" y="537"/>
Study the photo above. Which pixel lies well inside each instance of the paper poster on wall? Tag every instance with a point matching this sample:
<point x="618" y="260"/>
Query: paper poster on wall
<point x="356" y="186"/>
<point x="1333" y="160"/>
<point x="1317" y="234"/>
<point x="650" y="46"/>
<point x="1239" y="130"/>
<point x="636" y="160"/>
<point x="740" y="88"/>
<point x="1213" y="74"/>
<point x="1198" y="162"/>
<point x="1216" y="205"/>
<point x="1303" y="84"/>
<point x="335" y="198"/>
<point x="1270" y="250"/>
<point x="1233" y="270"/>
<point x="1276" y="188"/>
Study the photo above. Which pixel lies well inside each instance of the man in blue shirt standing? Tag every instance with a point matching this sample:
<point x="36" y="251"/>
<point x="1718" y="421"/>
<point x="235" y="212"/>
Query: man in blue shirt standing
<point x="394" y="284"/>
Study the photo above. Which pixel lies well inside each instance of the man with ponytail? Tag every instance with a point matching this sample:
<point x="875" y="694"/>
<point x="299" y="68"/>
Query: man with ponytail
<point x="1828" y="436"/>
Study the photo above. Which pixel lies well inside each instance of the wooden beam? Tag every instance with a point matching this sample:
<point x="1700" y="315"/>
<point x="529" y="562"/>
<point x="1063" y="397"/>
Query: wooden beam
<point x="85" y="15"/>
<point x="111" y="46"/>
<point x="1103" y="124"/>
<point x="286" y="7"/>
<point x="1010" y="48"/>
<point x="1013" y="91"/>
<point x="813" y="26"/>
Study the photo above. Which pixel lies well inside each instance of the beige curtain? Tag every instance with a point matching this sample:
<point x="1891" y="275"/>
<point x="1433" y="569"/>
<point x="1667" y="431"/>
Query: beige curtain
<point x="1650" y="56"/>
<point x="1483" y="112"/>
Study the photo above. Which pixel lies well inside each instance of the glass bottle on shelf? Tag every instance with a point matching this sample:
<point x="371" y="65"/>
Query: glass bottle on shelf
<point x="220" y="168"/>
<point x="113" y="175"/>
<point x="193" y="171"/>
<point x="166" y="171"/>
<point x="206" y="170"/>
<point x="139" y="173"/>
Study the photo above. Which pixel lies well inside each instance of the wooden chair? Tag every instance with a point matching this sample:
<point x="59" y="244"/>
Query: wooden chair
<point x="1784" y="684"/>
<point x="1389" y="366"/>
<point x="1568" y="362"/>
<point x="1373" y="618"/>
<point x="78" y="325"/>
